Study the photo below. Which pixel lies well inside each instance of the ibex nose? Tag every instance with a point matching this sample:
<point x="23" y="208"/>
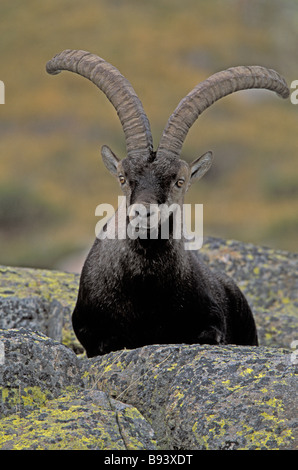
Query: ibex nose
<point x="148" y="215"/>
<point x="141" y="210"/>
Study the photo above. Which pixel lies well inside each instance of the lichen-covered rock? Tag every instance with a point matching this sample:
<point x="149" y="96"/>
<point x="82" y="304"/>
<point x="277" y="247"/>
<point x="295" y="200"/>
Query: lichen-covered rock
<point x="206" y="397"/>
<point x="193" y="397"/>
<point x="82" y="420"/>
<point x="269" y="280"/>
<point x="40" y="300"/>
<point x="33" y="369"/>
<point x="43" y="404"/>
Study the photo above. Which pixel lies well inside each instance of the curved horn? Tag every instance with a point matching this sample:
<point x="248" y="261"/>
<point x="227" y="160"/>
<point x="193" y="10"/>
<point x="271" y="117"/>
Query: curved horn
<point x="207" y="92"/>
<point x="117" y="89"/>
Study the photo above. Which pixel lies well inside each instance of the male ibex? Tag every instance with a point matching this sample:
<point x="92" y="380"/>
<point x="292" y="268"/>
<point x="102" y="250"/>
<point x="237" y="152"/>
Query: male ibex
<point x="138" y="291"/>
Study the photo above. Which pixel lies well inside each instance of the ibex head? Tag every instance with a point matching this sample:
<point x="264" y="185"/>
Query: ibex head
<point x="145" y="176"/>
<point x="151" y="182"/>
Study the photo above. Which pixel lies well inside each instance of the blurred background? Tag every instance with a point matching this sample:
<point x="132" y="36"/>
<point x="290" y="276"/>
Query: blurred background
<point x="51" y="128"/>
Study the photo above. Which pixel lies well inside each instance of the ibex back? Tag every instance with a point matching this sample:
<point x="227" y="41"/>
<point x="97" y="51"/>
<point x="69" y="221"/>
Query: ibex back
<point x="140" y="291"/>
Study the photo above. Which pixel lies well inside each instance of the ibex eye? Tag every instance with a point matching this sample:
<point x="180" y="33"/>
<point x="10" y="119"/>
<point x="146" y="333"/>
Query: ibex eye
<point x="180" y="183"/>
<point x="122" y="179"/>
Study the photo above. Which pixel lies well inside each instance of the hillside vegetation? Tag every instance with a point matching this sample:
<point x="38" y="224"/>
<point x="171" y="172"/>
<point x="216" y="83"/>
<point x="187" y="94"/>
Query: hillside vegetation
<point x="51" y="128"/>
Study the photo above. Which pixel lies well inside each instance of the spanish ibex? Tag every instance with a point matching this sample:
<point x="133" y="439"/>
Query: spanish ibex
<point x="135" y="291"/>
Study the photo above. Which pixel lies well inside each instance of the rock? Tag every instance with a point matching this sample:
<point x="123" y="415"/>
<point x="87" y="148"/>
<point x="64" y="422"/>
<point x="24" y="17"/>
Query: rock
<point x="34" y="369"/>
<point x="206" y="397"/>
<point x="83" y="420"/>
<point x="269" y="280"/>
<point x="40" y="300"/>
<point x="156" y="397"/>
<point x="44" y="404"/>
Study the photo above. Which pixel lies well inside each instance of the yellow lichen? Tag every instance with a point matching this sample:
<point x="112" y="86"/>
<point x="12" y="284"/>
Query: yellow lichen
<point x="246" y="372"/>
<point x="58" y="425"/>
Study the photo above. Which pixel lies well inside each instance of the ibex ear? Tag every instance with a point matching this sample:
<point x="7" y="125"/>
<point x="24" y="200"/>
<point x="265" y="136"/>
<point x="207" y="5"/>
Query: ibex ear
<point x="110" y="160"/>
<point x="200" y="166"/>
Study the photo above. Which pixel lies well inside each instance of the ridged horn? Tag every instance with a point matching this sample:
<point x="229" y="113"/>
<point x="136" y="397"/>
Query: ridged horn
<point x="117" y="89"/>
<point x="207" y="92"/>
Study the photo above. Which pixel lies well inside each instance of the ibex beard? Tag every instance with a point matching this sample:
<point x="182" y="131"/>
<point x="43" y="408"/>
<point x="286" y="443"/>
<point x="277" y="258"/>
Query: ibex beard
<point x="151" y="222"/>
